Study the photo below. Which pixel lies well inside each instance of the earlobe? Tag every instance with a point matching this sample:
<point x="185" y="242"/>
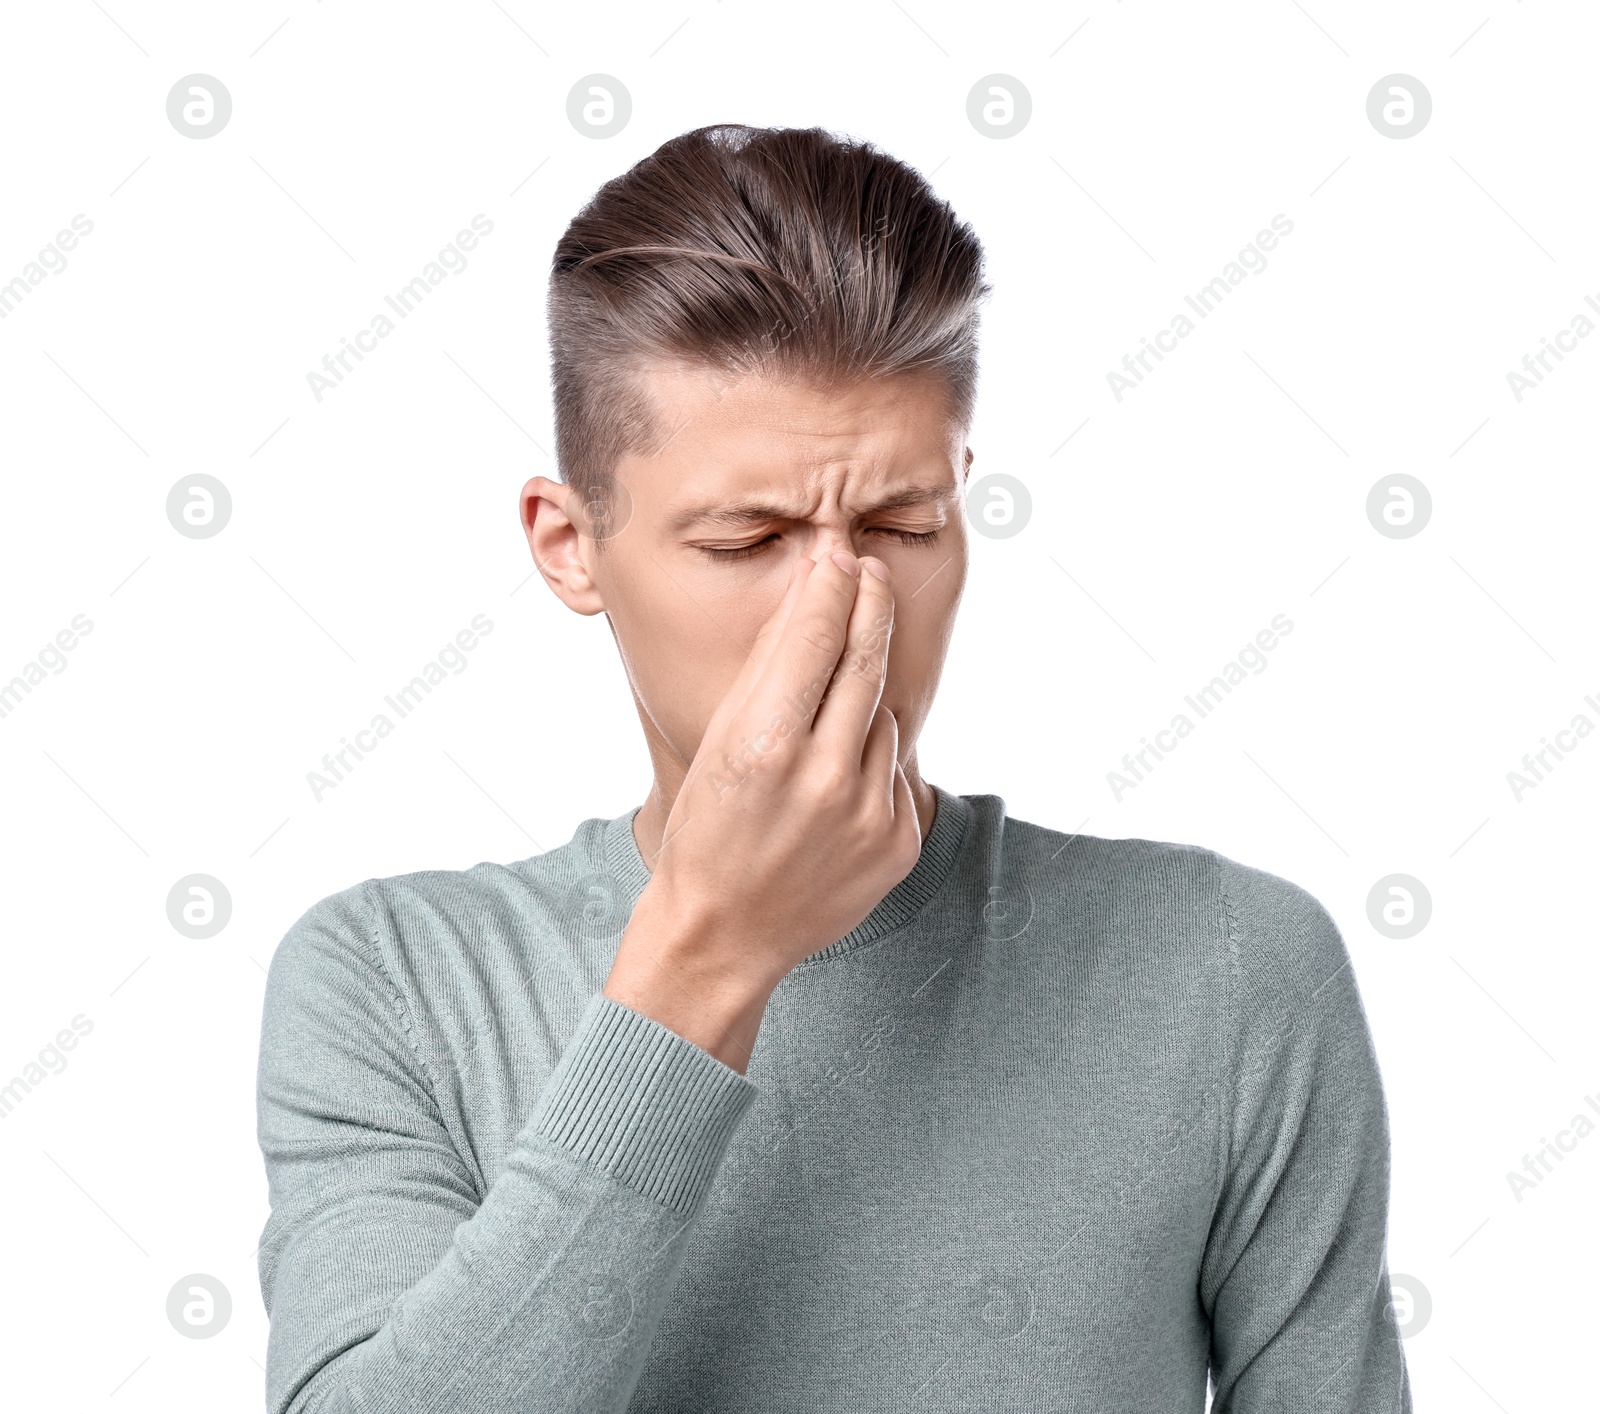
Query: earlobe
<point x="558" y="548"/>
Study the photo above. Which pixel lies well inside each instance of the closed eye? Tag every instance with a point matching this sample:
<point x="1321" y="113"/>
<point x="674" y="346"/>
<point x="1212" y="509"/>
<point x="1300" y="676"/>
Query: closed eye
<point x="742" y="552"/>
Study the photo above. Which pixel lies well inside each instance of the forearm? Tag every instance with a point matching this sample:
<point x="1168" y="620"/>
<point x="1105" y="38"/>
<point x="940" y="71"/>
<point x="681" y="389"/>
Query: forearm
<point x="551" y="1293"/>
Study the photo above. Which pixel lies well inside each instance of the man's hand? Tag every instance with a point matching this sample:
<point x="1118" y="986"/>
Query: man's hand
<point x="793" y="822"/>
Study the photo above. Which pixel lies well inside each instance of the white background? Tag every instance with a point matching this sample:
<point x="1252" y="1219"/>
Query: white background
<point x="369" y="528"/>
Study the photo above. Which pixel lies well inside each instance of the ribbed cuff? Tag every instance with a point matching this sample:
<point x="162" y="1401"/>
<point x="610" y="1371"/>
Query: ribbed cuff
<point x="643" y="1103"/>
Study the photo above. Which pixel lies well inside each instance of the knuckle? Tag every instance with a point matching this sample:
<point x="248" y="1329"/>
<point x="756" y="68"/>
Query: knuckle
<point x="876" y="659"/>
<point x="856" y="664"/>
<point x="830" y="781"/>
<point x="877" y="814"/>
<point x="820" y="633"/>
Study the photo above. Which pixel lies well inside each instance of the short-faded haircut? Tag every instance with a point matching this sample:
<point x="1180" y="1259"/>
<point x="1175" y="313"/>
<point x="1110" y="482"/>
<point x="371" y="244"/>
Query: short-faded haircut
<point x="786" y="252"/>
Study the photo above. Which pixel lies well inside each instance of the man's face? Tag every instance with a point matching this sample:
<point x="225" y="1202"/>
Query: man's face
<point x="754" y="474"/>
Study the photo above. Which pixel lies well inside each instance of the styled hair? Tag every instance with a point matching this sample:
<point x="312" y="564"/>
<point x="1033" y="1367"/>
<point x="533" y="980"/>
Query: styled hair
<point x="788" y="252"/>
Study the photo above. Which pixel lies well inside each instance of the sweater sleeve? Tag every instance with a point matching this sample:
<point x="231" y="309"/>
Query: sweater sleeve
<point x="391" y="1283"/>
<point x="1295" y="1273"/>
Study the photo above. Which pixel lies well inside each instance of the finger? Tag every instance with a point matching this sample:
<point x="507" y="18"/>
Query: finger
<point x="771" y="631"/>
<point x="845" y="717"/>
<point x="905" y="806"/>
<point x="881" y="757"/>
<point x="768" y="636"/>
<point x="808" y="647"/>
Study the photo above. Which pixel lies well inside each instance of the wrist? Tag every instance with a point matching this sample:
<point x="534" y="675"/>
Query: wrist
<point x="682" y="974"/>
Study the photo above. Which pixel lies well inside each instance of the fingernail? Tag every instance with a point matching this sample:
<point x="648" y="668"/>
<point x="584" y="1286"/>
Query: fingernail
<point x="878" y="568"/>
<point x="847" y="563"/>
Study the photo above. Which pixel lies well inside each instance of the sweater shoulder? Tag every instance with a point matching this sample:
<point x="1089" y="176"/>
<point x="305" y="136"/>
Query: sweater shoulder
<point x="1164" y="874"/>
<point x="545" y="877"/>
<point x="1274" y="936"/>
<point x="1284" y="946"/>
<point x="379" y="928"/>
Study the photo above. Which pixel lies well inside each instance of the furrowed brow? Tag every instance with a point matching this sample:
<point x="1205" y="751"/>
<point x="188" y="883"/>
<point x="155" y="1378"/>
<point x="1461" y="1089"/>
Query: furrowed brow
<point x="757" y="512"/>
<point x="735" y="513"/>
<point x="910" y="496"/>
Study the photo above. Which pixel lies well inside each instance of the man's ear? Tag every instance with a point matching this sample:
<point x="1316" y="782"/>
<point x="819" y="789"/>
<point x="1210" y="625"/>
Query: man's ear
<point x="550" y="512"/>
<point x="966" y="466"/>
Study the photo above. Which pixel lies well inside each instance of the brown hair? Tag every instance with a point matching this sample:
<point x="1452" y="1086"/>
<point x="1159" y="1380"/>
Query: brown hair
<point x="783" y="251"/>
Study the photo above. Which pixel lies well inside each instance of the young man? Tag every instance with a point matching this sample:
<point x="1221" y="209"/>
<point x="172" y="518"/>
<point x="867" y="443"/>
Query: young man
<point x="808" y="1085"/>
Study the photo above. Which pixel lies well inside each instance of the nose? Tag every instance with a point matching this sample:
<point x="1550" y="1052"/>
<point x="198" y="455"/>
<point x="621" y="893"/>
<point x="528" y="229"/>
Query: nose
<point x="830" y="538"/>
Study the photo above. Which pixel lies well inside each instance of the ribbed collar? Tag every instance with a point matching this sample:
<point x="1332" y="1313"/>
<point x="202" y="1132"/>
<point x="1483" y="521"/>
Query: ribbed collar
<point x="897" y="908"/>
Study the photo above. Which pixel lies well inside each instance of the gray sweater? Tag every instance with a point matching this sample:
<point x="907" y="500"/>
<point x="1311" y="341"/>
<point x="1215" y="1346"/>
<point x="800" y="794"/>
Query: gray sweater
<point x="1062" y="1124"/>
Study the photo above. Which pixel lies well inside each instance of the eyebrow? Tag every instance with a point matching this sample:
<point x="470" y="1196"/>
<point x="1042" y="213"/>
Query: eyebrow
<point x="756" y="511"/>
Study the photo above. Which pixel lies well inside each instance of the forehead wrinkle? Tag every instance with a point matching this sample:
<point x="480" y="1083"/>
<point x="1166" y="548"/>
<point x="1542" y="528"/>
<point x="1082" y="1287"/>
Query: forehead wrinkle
<point x="753" y="510"/>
